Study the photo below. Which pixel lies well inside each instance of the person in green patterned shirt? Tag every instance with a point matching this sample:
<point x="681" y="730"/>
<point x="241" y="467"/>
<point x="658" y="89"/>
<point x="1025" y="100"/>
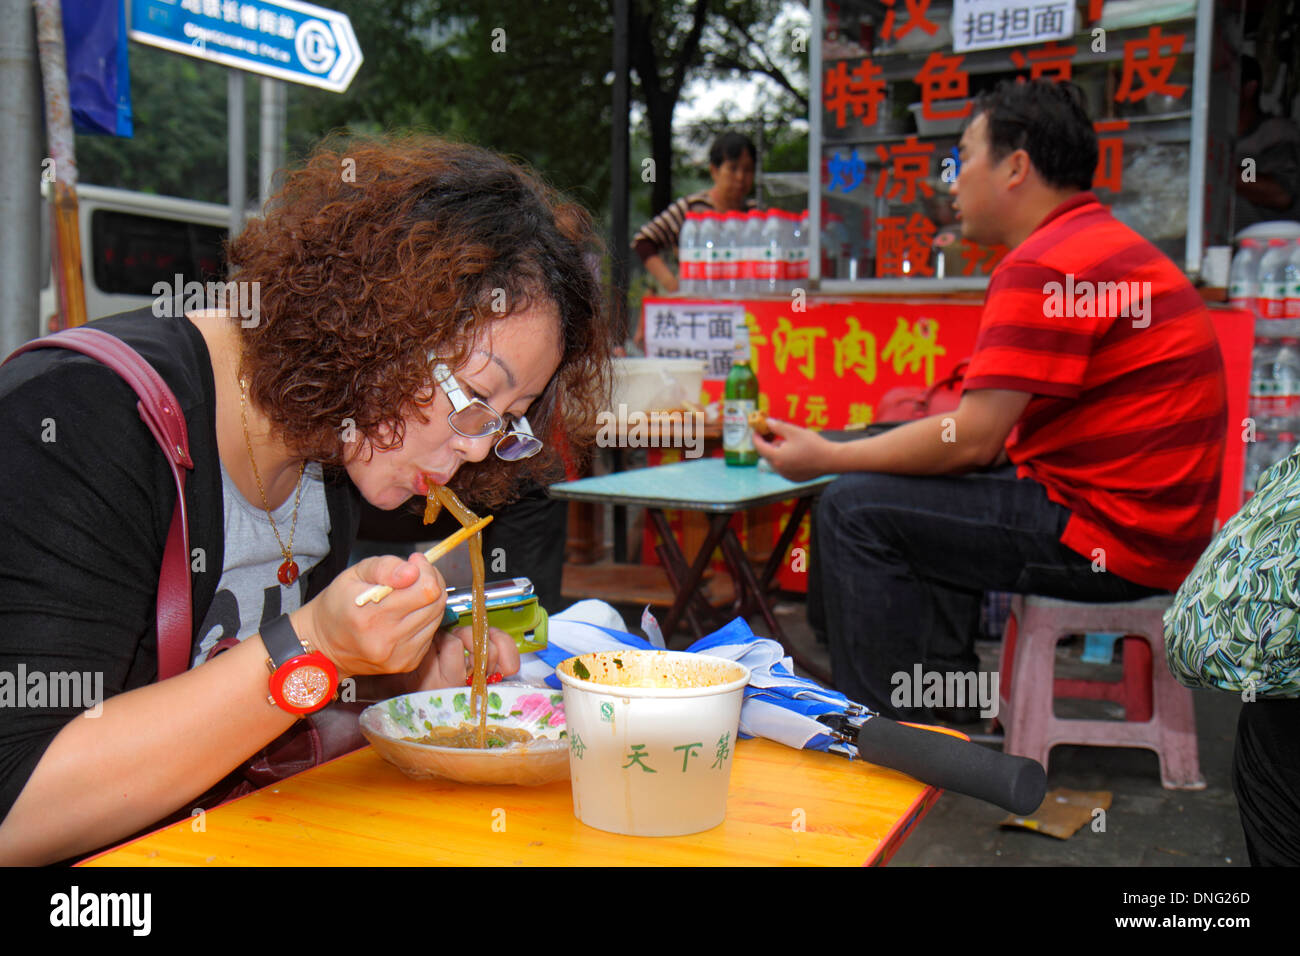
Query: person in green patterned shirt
<point x="1235" y="626"/>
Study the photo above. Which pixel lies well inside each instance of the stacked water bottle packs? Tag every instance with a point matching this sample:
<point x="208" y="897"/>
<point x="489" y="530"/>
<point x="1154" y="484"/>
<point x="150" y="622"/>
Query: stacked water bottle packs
<point x="762" y="252"/>
<point x="1265" y="280"/>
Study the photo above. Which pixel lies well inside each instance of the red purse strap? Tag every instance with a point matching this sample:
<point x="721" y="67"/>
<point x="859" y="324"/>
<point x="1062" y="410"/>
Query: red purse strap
<point x="162" y="414"/>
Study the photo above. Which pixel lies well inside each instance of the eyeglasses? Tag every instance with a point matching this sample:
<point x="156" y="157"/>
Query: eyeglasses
<point x="475" y="418"/>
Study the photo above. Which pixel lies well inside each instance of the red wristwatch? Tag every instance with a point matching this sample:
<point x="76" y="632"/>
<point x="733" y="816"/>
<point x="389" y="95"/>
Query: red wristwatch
<point x="302" y="680"/>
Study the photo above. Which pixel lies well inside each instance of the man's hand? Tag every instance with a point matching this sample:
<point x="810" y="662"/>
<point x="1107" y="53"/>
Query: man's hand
<point x="796" y="454"/>
<point x="969" y="438"/>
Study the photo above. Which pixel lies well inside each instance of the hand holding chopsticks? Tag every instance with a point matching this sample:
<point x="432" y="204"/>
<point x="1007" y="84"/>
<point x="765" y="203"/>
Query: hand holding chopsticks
<point x="439" y="550"/>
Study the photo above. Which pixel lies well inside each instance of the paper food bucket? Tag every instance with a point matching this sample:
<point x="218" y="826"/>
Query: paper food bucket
<point x="651" y="738"/>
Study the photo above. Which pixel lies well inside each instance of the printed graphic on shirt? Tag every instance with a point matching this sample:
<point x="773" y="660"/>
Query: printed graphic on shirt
<point x="249" y="593"/>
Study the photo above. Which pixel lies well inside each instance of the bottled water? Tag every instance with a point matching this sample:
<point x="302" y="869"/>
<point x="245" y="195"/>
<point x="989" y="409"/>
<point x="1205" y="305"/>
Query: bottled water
<point x="770" y="268"/>
<point x="1241" y="277"/>
<point x="1286" y="386"/>
<point x="1257" y="453"/>
<point x="729" y="251"/>
<point x="1293" y="289"/>
<point x="1270" y="295"/>
<point x="688" y="255"/>
<point x="1262" y="385"/>
<point x="710" y="258"/>
<point x="788" y="255"/>
<point x="1263" y="455"/>
<point x="751" y="252"/>
<point x="797" y="254"/>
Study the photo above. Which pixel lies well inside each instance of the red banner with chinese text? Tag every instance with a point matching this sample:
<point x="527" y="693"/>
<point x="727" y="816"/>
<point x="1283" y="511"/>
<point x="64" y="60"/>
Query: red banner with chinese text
<point x="829" y="366"/>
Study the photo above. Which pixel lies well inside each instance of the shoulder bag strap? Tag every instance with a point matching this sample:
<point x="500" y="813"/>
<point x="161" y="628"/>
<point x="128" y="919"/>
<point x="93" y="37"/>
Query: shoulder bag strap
<point x="162" y="414"/>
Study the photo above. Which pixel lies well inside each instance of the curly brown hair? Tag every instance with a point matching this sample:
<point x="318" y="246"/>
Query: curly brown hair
<point x="378" y="251"/>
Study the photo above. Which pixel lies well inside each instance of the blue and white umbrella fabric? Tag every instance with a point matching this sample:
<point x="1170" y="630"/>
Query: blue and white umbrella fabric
<point x="778" y="704"/>
<point x="783" y="707"/>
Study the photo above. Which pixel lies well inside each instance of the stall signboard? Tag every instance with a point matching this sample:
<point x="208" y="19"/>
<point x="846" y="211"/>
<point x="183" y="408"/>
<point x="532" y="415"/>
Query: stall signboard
<point x="984" y="24"/>
<point x="896" y="89"/>
<point x="695" y="330"/>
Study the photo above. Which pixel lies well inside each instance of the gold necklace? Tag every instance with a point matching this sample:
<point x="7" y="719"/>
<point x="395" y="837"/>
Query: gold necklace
<point x="288" y="572"/>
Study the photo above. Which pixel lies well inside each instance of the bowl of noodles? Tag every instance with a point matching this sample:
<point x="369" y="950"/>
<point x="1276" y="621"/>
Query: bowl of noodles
<point x="433" y="734"/>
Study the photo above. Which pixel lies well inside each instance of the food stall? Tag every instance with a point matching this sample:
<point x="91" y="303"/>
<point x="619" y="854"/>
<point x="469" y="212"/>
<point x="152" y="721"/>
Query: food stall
<point x="893" y="294"/>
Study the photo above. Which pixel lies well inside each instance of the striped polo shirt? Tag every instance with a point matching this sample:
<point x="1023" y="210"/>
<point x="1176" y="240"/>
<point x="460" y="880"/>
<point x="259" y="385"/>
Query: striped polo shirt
<point x="1129" y="415"/>
<point x="661" y="232"/>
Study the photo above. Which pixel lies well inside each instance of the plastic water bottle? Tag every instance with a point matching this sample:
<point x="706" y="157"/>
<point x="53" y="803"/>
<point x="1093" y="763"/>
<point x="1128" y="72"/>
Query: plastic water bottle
<point x="797" y="255"/>
<point x="1286" y="382"/>
<point x="729" y="245"/>
<point x="707" y="283"/>
<point x="688" y="254"/>
<point x="1262" y="386"/>
<point x="788" y="254"/>
<point x="1293" y="290"/>
<point x="751" y="252"/>
<point x="1258" y="454"/>
<point x="770" y="266"/>
<point x="1241" y="276"/>
<point x="1271" y="291"/>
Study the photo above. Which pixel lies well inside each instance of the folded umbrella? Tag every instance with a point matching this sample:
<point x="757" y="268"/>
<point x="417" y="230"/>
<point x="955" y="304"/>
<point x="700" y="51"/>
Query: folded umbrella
<point x="801" y="713"/>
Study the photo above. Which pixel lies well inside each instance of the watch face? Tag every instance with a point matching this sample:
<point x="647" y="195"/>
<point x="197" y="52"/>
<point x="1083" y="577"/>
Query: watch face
<point x="306" y="686"/>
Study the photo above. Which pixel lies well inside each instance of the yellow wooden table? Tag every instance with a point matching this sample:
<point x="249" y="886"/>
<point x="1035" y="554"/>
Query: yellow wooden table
<point x="786" y="807"/>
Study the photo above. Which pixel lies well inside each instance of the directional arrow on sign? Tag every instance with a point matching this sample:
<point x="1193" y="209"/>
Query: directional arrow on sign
<point x="286" y="39"/>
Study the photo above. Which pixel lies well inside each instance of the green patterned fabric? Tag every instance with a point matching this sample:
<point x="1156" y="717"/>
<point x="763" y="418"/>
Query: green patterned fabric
<point x="1234" y="622"/>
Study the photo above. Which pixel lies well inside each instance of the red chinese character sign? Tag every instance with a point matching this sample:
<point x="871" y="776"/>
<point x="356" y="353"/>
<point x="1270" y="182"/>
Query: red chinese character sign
<point x="1148" y="64"/>
<point x="861" y="90"/>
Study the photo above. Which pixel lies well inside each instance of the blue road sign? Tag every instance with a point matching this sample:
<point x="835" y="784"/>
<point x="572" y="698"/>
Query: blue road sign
<point x="297" y="42"/>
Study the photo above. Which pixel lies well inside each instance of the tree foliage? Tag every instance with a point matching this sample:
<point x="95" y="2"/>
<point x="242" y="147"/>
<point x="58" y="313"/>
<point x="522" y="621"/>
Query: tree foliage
<point x="528" y="79"/>
<point x="180" y="142"/>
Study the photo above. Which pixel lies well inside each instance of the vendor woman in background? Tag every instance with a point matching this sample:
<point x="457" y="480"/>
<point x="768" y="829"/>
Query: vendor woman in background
<point x="732" y="159"/>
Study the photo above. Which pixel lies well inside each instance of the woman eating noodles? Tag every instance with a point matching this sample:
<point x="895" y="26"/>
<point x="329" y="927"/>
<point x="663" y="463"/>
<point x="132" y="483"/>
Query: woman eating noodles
<point x="425" y="315"/>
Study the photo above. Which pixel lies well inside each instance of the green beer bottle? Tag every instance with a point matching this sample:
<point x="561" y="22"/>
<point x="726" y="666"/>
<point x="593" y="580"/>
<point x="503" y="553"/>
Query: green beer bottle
<point x="739" y="398"/>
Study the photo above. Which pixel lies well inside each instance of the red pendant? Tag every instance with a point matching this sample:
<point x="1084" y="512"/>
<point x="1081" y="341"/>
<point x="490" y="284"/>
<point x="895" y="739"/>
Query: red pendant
<point x="288" y="572"/>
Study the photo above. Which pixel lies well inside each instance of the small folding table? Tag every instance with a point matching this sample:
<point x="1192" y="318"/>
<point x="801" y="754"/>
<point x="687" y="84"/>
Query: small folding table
<point x="707" y="485"/>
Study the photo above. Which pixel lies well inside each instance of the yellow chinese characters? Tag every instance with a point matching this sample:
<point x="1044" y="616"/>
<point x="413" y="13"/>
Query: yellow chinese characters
<point x="856" y="350"/>
<point x="912" y="346"/>
<point x="791" y="343"/>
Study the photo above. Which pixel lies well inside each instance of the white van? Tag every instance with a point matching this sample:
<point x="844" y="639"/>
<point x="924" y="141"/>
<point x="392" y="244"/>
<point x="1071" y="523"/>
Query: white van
<point x="130" y="242"/>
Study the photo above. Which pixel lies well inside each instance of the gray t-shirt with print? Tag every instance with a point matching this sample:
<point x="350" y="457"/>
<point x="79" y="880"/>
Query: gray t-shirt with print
<point x="249" y="593"/>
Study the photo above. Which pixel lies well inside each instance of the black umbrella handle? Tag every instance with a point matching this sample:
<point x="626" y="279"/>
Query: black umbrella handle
<point x="1017" y="784"/>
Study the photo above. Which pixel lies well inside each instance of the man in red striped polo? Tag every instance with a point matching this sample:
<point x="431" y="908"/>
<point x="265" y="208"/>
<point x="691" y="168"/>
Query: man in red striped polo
<point x="1083" y="461"/>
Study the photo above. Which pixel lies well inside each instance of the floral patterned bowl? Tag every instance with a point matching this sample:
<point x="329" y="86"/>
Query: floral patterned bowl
<point x="539" y="710"/>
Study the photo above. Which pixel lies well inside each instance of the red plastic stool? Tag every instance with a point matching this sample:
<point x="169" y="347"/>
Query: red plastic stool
<point x="1158" y="710"/>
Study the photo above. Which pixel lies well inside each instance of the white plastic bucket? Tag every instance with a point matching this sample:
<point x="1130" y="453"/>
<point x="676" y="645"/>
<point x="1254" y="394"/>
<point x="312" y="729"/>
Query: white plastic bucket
<point x="651" y="760"/>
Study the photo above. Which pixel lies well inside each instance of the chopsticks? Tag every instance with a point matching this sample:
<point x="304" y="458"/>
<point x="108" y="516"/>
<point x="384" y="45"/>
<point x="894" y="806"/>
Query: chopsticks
<point x="439" y="550"/>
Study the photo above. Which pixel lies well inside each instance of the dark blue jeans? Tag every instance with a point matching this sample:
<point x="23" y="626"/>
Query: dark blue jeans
<point x="899" y="566"/>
